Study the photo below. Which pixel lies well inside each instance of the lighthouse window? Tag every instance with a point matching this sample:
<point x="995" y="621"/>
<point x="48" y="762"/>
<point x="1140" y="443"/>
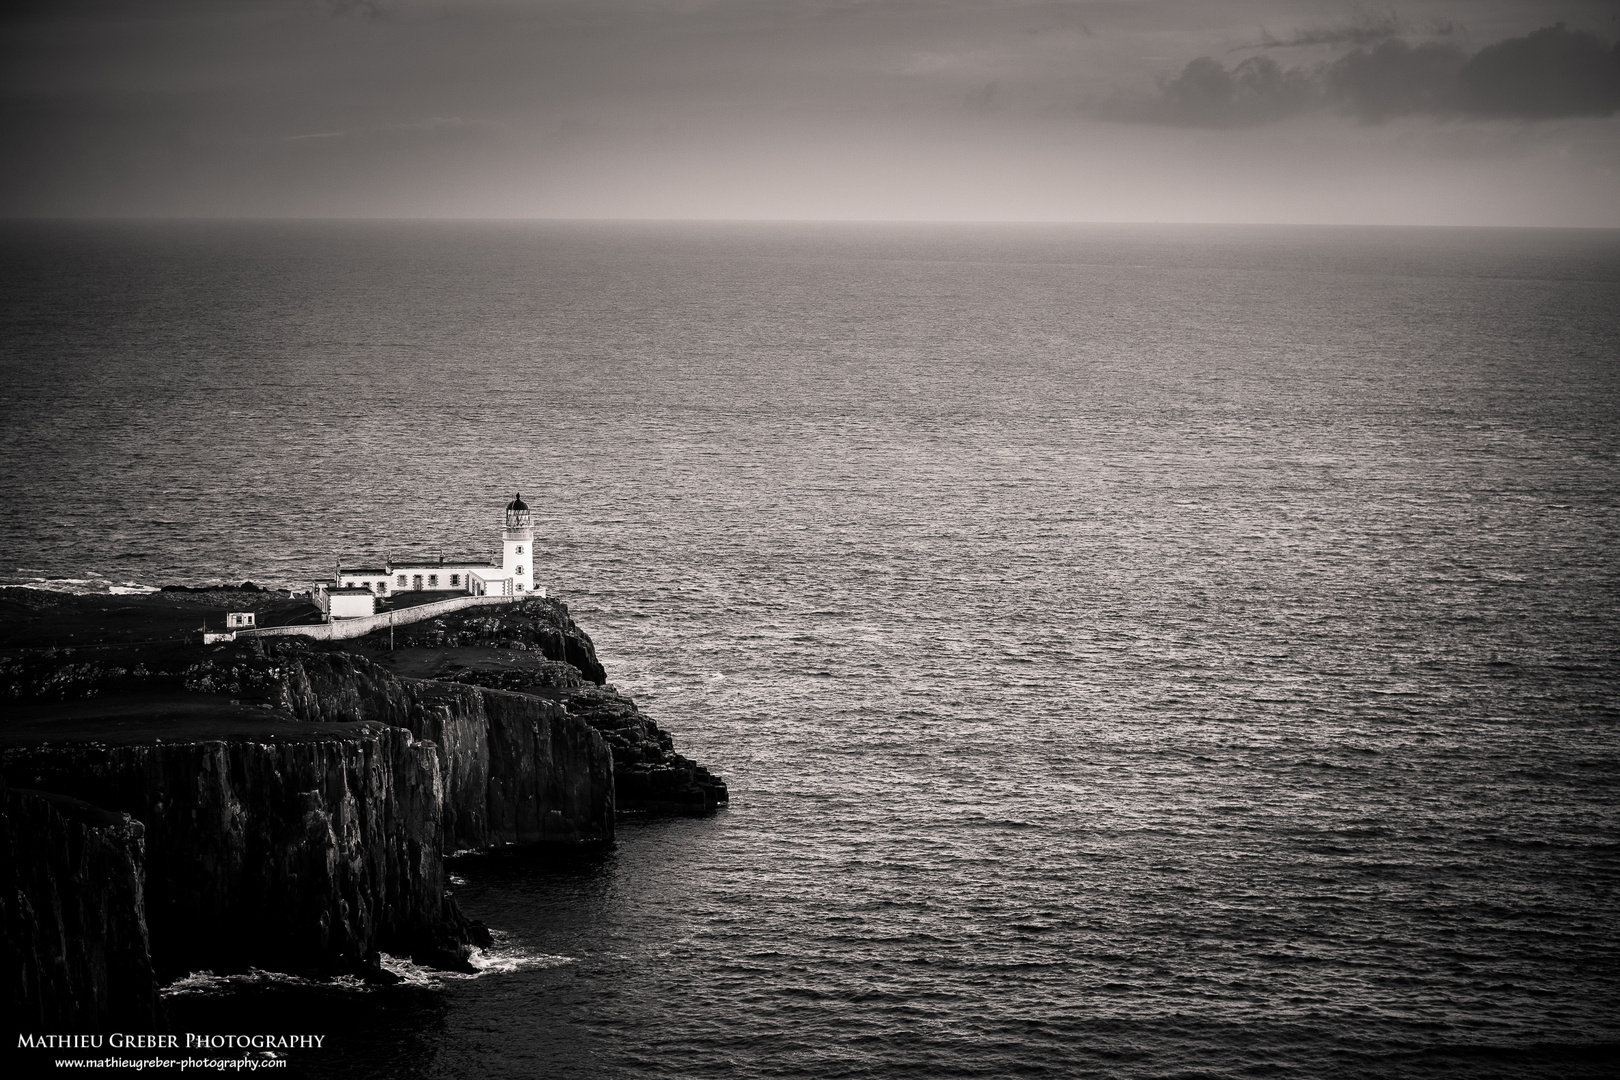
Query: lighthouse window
<point x="520" y="569"/>
<point x="520" y="551"/>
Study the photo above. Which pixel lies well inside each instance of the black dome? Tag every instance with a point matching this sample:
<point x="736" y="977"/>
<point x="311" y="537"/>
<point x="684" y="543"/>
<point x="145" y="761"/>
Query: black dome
<point x="517" y="503"/>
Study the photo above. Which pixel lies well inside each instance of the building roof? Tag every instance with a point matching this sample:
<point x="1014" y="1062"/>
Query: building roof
<point x="448" y="564"/>
<point x="517" y="503"/>
<point x="348" y="592"/>
<point x="363" y="570"/>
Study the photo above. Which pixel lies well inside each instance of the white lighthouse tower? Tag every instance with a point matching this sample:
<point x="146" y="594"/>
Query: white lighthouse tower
<point x="517" y="546"/>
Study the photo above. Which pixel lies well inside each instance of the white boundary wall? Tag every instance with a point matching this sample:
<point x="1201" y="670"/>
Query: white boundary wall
<point x="343" y="629"/>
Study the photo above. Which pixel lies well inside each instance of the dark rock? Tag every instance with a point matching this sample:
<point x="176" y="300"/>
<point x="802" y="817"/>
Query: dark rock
<point x="648" y="776"/>
<point x="540" y="624"/>
<point x="73" y="943"/>
<point x="312" y="853"/>
<point x="516" y="769"/>
<point x="317" y="840"/>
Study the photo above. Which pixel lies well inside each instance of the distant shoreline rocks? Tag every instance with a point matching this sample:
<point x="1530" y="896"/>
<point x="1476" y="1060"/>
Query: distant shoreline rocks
<point x="94" y="586"/>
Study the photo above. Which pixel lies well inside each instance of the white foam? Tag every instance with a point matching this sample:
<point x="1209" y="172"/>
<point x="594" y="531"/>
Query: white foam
<point x="84" y="586"/>
<point x="206" y="982"/>
<point x="496" y="960"/>
<point x="198" y="982"/>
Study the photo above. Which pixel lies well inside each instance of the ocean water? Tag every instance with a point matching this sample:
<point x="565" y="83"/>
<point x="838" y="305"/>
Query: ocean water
<point x="1133" y="651"/>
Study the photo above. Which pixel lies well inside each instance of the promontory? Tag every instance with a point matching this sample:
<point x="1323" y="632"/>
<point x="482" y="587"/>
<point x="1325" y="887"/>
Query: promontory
<point x="281" y="801"/>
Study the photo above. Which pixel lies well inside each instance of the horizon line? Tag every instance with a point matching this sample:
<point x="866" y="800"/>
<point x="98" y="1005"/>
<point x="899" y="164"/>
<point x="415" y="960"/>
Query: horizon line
<point x="581" y="220"/>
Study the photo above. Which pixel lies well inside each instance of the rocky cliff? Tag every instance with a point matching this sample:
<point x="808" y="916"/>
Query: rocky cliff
<point x="517" y="769"/>
<point x="74" y="947"/>
<point x="285" y="804"/>
<point x="299" y="851"/>
<point x="546" y="655"/>
<point x="648" y="775"/>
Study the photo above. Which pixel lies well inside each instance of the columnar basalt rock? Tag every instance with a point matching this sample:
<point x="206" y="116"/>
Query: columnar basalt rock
<point x="518" y="769"/>
<point x="73" y="942"/>
<point x="309" y="853"/>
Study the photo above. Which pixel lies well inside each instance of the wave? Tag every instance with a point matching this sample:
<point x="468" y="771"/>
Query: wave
<point x="206" y="982"/>
<point x="499" y="959"/>
<point x="83" y="586"/>
<point x="496" y="960"/>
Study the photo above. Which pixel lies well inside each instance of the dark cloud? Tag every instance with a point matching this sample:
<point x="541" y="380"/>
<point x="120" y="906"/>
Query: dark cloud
<point x="1552" y="72"/>
<point x="1396" y="79"/>
<point x="1206" y="94"/>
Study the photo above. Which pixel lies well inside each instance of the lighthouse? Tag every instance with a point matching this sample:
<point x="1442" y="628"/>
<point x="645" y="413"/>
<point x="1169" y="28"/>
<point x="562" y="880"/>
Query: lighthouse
<point x="517" y="544"/>
<point x="512" y="576"/>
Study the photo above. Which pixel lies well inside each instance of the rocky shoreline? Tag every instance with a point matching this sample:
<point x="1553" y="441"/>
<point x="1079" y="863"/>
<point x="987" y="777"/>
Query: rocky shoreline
<point x="287" y="804"/>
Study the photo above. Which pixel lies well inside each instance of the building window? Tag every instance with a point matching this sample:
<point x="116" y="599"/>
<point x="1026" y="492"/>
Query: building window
<point x="433" y="580"/>
<point x="382" y="586"/>
<point x="455" y="579"/>
<point x="402" y="581"/>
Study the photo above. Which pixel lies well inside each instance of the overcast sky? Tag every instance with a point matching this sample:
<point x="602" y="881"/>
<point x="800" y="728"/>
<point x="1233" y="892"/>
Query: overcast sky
<point x="1429" y="112"/>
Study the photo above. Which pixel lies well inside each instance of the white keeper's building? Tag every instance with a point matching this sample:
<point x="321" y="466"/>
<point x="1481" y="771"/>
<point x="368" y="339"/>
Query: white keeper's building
<point x="354" y="590"/>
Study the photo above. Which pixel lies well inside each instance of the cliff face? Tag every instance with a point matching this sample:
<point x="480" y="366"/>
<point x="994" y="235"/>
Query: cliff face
<point x="274" y="804"/>
<point x="339" y="688"/>
<point x="307" y="853"/>
<point x="74" y="946"/>
<point x="531" y="751"/>
<point x="516" y="769"/>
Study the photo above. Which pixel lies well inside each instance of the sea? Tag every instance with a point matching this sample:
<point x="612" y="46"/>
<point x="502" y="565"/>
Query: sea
<point x="1134" y="651"/>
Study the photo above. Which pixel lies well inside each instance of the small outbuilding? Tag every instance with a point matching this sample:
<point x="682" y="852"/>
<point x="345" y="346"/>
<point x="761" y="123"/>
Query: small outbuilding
<point x="239" y="620"/>
<point x="347" y="603"/>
